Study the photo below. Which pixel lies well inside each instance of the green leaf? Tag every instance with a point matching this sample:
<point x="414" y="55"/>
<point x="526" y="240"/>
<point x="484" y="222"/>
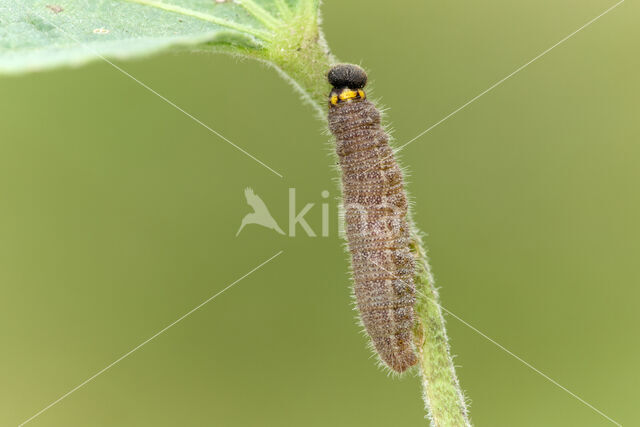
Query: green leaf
<point x="41" y="34"/>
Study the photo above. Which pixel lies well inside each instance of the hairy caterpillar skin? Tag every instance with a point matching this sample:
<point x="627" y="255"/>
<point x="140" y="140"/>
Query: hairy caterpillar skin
<point x="376" y="225"/>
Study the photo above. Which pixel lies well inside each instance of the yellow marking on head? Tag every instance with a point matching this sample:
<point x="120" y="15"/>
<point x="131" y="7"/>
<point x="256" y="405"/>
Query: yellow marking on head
<point x="348" y="94"/>
<point x="334" y="99"/>
<point x="362" y="94"/>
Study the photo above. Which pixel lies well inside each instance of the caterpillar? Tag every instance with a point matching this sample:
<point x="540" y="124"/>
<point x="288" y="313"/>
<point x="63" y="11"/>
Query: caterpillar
<point x="376" y="224"/>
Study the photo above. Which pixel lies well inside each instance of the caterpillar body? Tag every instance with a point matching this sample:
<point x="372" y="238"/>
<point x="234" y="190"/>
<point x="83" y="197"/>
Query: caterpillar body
<point x="376" y="225"/>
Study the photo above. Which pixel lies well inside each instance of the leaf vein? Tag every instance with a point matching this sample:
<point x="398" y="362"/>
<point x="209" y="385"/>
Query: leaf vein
<point x="205" y="17"/>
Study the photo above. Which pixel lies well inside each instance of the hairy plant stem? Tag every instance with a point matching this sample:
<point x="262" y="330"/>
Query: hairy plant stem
<point x="300" y="54"/>
<point x="443" y="397"/>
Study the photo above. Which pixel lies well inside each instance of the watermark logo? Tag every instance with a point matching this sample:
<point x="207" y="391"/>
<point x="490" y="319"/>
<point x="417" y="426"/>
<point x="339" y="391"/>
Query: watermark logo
<point x="373" y="219"/>
<point x="260" y="214"/>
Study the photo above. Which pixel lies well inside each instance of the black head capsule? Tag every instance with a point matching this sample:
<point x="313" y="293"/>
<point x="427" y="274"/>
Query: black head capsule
<point x="347" y="80"/>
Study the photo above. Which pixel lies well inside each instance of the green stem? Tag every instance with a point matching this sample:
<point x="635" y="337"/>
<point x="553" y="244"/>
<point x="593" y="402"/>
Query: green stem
<point x="299" y="52"/>
<point x="442" y="394"/>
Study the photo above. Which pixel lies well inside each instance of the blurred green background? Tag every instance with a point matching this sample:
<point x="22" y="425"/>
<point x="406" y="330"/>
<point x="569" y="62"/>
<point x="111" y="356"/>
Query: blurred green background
<point x="118" y="214"/>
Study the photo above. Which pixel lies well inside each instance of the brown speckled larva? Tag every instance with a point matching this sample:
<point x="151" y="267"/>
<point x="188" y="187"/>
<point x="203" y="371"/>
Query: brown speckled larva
<point x="376" y="226"/>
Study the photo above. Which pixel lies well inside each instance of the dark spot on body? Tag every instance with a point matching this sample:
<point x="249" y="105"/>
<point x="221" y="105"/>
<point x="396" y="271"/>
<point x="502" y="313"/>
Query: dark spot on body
<point x="54" y="8"/>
